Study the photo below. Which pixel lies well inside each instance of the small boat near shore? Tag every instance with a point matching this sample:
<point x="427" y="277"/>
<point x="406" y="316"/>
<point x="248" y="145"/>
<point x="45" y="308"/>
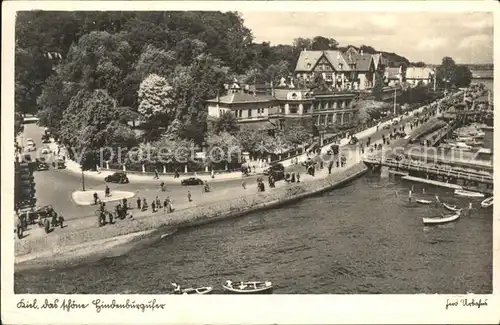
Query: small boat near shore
<point x="451" y="207"/>
<point x="468" y="193"/>
<point x="423" y="201"/>
<point x="487" y="202"/>
<point x="444" y="219"/>
<point x="248" y="287"/>
<point x="191" y="291"/>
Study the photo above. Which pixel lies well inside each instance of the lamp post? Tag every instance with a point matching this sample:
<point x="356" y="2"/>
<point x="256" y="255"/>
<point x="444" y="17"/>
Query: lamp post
<point x="83" y="179"/>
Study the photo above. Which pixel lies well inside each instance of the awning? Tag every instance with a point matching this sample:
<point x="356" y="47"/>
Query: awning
<point x="258" y="126"/>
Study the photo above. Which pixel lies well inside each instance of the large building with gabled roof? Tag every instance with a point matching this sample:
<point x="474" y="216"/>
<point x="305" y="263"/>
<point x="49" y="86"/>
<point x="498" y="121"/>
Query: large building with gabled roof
<point x="342" y="70"/>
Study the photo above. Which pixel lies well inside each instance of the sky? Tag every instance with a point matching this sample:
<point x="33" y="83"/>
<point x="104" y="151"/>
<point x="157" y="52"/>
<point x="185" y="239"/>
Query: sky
<point x="419" y="36"/>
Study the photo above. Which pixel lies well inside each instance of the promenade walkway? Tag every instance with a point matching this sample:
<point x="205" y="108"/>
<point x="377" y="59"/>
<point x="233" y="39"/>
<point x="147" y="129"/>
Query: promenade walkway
<point x="219" y="177"/>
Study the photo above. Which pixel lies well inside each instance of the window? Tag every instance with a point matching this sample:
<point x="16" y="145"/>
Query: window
<point x="330" y="119"/>
<point x="293" y="108"/>
<point x="282" y="109"/>
<point x="306" y="108"/>
<point x="322" y="119"/>
<point x="250" y="112"/>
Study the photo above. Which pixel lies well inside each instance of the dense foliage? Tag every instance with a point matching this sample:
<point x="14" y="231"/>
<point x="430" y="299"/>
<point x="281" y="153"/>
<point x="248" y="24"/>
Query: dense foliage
<point x="450" y="74"/>
<point x="87" y="71"/>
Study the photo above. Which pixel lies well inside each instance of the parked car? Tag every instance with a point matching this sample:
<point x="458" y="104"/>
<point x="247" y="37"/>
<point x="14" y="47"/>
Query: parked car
<point x="41" y="164"/>
<point x="45" y="138"/>
<point x="60" y="163"/>
<point x="354" y="140"/>
<point x="277" y="170"/>
<point x="30" y="145"/>
<point x="191" y="181"/>
<point x="118" y="177"/>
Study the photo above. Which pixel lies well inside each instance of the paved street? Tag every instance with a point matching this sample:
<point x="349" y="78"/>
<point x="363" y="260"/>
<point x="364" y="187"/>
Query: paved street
<point x="56" y="186"/>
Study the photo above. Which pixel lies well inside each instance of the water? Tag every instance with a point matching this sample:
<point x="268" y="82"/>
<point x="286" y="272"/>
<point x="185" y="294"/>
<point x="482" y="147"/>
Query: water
<point x="363" y="238"/>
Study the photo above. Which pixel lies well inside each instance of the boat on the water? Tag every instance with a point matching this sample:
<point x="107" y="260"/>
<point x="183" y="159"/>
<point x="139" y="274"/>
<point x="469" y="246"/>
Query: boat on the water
<point x="248" y="286"/>
<point x="424" y="201"/>
<point x="468" y="193"/>
<point x="451" y="207"/>
<point x="191" y="291"/>
<point x="442" y="220"/>
<point x="487" y="202"/>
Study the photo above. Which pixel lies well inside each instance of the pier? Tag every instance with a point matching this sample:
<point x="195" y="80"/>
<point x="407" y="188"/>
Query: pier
<point x="474" y="177"/>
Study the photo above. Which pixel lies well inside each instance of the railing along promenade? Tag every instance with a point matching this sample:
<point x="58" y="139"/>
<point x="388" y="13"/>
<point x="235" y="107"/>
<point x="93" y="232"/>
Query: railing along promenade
<point x="432" y="169"/>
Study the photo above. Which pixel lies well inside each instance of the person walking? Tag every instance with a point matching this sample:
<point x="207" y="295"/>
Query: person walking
<point x="47" y="226"/>
<point x="244" y="185"/>
<point x="144" y="204"/>
<point x="298" y="177"/>
<point x="153" y="206"/>
<point x="61" y="221"/>
<point x="330" y="165"/>
<point x="156" y="174"/>
<point x="165" y="205"/>
<point x="212" y="174"/>
<point x="107" y="191"/>
<point x="189" y="196"/>
<point x="110" y="216"/>
<point x="158" y="203"/>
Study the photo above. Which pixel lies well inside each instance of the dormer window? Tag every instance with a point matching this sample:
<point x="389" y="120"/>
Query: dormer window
<point x="340" y="65"/>
<point x="309" y="65"/>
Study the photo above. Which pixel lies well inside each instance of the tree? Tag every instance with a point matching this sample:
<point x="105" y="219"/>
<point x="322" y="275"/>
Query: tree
<point x="155" y="98"/>
<point x="99" y="60"/>
<point x="367" y="49"/>
<point x="227" y="123"/>
<point x="296" y="134"/>
<point x="462" y="76"/>
<point x="275" y="72"/>
<point x="451" y="74"/>
<point x="90" y="123"/>
<point x="320" y="43"/>
<point x="155" y="61"/>
<point x="418" y="64"/>
<point x="18" y="123"/>
<point x="222" y="147"/>
<point x="54" y="100"/>
<point x="378" y="87"/>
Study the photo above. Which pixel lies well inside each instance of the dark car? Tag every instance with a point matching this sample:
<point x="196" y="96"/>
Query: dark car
<point x="354" y="140"/>
<point x="60" y="163"/>
<point x="118" y="177"/>
<point x="192" y="181"/>
<point x="41" y="164"/>
<point x="277" y="171"/>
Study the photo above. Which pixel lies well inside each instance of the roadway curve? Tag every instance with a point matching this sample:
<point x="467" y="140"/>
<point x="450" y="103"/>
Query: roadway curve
<point x="55" y="186"/>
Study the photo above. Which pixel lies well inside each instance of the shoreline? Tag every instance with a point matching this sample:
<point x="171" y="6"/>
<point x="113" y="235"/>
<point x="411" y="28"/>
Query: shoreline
<point x="75" y="247"/>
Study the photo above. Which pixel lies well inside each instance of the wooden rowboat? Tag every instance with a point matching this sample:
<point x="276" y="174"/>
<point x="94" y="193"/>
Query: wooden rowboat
<point x="442" y="220"/>
<point x="451" y="207"/>
<point x="191" y="291"/>
<point x="197" y="291"/>
<point x="468" y="193"/>
<point x="487" y="202"/>
<point x="248" y="287"/>
<point x="424" y="201"/>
